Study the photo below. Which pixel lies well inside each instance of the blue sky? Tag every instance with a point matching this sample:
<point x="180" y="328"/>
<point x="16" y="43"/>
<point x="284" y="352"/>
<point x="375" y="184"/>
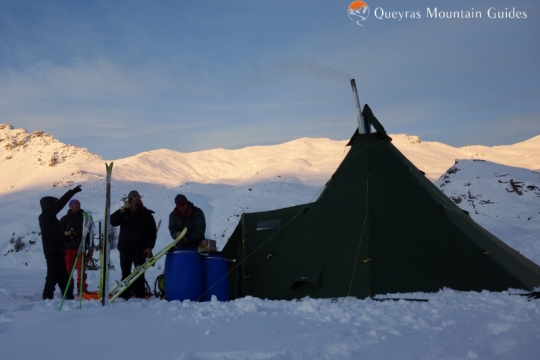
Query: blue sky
<point x="122" y="77"/>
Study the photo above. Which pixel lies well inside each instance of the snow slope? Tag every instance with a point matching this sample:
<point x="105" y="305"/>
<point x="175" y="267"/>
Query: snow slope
<point x="503" y="199"/>
<point x="435" y="158"/>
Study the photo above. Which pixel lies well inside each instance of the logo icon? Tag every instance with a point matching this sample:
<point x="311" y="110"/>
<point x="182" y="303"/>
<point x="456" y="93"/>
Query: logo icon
<point x="358" y="12"/>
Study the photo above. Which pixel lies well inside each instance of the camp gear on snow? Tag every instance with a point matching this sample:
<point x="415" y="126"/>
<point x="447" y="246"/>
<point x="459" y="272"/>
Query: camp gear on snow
<point x="207" y="246"/>
<point x="215" y="276"/>
<point x="209" y="275"/>
<point x="159" y="286"/>
<point x="183" y="275"/>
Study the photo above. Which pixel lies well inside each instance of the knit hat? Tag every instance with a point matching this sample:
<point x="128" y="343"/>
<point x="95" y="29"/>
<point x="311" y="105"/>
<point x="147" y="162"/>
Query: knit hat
<point x="180" y="200"/>
<point x="131" y="193"/>
<point x="73" y="201"/>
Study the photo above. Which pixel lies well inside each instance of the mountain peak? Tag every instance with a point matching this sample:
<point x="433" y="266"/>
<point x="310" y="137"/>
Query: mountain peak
<point x="38" y="147"/>
<point x="26" y="157"/>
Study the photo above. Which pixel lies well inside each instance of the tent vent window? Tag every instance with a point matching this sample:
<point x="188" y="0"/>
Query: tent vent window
<point x="268" y="224"/>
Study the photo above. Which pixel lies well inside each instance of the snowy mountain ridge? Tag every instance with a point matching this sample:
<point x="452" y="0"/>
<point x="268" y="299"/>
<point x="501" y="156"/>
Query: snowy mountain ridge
<point x="25" y="157"/>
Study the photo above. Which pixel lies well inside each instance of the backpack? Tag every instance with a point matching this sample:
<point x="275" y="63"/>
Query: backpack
<point x="159" y="286"/>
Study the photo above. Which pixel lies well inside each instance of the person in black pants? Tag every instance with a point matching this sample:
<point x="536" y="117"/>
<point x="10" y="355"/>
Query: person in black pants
<point x="137" y="238"/>
<point x="54" y="245"/>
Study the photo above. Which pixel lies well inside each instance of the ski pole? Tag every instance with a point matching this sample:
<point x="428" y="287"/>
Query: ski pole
<point x="81" y="281"/>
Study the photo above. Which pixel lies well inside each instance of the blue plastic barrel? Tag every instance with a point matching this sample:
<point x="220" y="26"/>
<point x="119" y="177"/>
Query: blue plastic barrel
<point x="183" y="275"/>
<point x="215" y="276"/>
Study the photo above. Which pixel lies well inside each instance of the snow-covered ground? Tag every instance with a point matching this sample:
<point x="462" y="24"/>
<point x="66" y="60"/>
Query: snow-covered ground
<point x="225" y="183"/>
<point x="450" y="325"/>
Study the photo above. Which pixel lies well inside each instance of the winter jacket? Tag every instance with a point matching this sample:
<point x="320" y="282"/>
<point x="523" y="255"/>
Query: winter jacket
<point x="52" y="234"/>
<point x="137" y="229"/>
<point x="73" y="223"/>
<point x="193" y="219"/>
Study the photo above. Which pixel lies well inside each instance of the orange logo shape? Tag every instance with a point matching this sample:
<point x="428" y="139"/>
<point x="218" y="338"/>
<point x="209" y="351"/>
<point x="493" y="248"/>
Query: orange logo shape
<point x="358" y="12"/>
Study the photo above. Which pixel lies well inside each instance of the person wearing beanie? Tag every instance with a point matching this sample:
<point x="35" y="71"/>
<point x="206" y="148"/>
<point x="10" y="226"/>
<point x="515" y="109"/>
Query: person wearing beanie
<point x="137" y="238"/>
<point x="131" y="194"/>
<point x="72" y="225"/>
<point x="185" y="214"/>
<point x="54" y="245"/>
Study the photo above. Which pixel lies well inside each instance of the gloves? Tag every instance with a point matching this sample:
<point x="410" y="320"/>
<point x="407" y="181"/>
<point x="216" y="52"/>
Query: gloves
<point x="183" y="241"/>
<point x="77" y="189"/>
<point x="71" y="233"/>
<point x="148" y="253"/>
<point x="127" y="206"/>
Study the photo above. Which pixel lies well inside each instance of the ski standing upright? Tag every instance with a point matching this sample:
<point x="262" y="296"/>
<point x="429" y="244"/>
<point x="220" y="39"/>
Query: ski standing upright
<point x="105" y="250"/>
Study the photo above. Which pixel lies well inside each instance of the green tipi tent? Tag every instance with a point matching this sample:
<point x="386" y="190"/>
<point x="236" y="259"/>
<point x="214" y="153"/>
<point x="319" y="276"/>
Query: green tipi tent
<point x="380" y="226"/>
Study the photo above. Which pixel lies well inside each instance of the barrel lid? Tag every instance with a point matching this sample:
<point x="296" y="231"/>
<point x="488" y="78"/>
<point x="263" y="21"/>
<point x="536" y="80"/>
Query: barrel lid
<point x="185" y="250"/>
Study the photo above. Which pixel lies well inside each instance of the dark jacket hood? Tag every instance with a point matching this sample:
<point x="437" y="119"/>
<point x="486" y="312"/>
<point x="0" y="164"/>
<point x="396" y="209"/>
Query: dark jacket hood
<point x="47" y="202"/>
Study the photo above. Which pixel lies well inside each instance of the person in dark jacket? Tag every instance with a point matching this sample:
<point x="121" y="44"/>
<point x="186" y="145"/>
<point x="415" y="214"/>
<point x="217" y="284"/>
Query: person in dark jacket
<point x="72" y="224"/>
<point x="137" y="238"/>
<point x="185" y="214"/>
<point x="54" y="245"/>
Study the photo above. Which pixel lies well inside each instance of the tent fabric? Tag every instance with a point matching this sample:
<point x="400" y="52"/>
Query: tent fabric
<point x="380" y="226"/>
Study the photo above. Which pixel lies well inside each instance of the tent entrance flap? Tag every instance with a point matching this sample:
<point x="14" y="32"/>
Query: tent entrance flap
<point x="309" y="280"/>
